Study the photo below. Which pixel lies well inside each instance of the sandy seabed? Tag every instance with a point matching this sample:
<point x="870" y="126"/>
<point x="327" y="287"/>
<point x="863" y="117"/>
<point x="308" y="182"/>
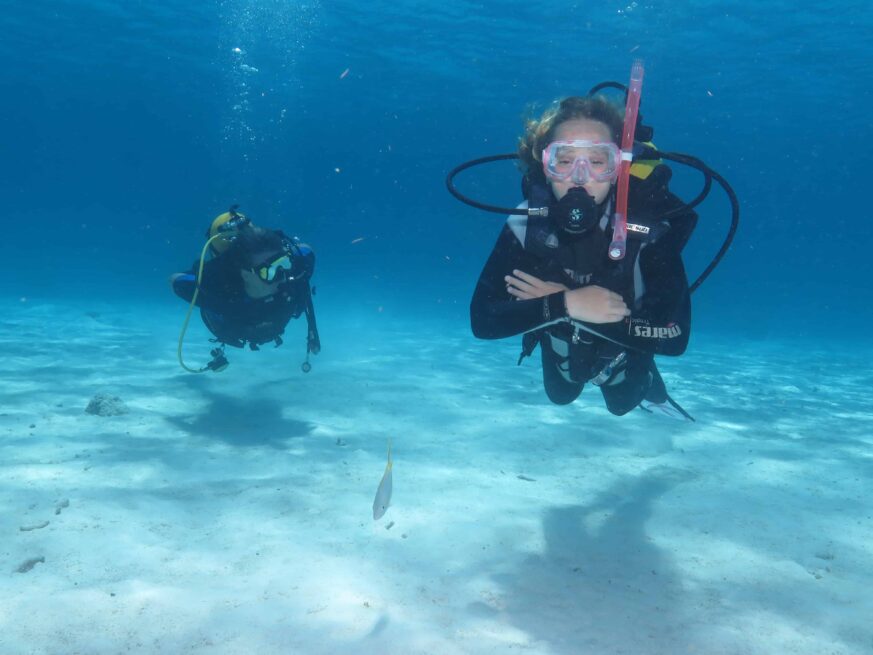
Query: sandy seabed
<point x="231" y="513"/>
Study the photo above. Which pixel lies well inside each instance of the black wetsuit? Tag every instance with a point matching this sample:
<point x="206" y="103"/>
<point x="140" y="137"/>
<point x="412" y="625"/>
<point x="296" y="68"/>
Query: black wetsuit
<point x="234" y="317"/>
<point x="651" y="279"/>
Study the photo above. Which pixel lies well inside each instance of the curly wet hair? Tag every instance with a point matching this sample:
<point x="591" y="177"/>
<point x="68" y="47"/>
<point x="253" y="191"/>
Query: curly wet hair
<point x="539" y="132"/>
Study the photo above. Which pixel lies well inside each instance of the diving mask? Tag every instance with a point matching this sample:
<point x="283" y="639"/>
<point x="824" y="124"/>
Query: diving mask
<point x="581" y="161"/>
<point x="268" y="271"/>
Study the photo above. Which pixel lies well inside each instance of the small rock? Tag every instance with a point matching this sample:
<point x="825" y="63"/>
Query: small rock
<point x="26" y="565"/>
<point x="105" y="405"/>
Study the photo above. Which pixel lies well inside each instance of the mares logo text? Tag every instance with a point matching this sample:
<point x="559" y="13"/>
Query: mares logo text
<point x="650" y="332"/>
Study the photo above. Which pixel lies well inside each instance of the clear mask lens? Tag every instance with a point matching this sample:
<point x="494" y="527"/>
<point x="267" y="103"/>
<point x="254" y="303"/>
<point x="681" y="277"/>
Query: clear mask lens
<point x="581" y="161"/>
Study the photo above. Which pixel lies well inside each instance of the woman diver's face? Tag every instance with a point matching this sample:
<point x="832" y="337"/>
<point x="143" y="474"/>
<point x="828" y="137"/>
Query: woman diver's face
<point x="582" y="129"/>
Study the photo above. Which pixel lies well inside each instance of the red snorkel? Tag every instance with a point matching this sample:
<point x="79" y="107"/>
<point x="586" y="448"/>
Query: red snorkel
<point x="619" y="231"/>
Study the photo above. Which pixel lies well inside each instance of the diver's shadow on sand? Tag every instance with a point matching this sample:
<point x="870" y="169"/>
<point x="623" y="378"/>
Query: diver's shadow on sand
<point x="601" y="586"/>
<point x="240" y="422"/>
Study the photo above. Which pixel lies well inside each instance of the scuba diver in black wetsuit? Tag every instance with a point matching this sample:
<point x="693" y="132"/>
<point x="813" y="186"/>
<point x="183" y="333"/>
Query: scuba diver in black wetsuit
<point x="254" y="283"/>
<point x="589" y="267"/>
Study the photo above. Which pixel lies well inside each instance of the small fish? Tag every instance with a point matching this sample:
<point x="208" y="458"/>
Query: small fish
<point x="383" y="493"/>
<point x="344" y="73"/>
<point x="358" y="240"/>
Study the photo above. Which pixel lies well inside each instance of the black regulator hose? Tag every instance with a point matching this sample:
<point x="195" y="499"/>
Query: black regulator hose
<point x="694" y="162"/>
<point x="646" y="152"/>
<point x="450" y="185"/>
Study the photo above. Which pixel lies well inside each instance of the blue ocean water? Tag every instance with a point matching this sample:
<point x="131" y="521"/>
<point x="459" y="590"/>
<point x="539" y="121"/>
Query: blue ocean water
<point x="231" y="513"/>
<point x="128" y="126"/>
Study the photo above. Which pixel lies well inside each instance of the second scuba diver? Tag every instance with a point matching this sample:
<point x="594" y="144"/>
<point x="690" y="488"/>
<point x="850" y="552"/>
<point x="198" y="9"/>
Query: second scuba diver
<point x="590" y="269"/>
<point x="254" y="282"/>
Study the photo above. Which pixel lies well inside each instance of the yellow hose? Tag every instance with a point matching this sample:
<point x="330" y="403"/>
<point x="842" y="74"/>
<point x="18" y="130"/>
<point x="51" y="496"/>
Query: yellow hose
<point x="191" y="308"/>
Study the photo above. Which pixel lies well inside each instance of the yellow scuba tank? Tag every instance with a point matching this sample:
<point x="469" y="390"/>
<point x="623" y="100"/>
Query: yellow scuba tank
<point x="642" y="168"/>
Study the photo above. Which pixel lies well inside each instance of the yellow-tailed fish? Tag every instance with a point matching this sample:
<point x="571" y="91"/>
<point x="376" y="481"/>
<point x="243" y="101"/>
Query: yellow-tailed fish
<point x="383" y="493"/>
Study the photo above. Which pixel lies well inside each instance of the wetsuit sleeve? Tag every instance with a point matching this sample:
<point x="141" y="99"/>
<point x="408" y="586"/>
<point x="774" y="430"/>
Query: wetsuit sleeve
<point x="494" y="313"/>
<point x="303" y="259"/>
<point x="661" y="324"/>
<point x="661" y="321"/>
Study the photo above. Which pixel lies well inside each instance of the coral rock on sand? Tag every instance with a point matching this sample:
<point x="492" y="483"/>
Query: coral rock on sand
<point x="105" y="405"/>
<point x="29" y="564"/>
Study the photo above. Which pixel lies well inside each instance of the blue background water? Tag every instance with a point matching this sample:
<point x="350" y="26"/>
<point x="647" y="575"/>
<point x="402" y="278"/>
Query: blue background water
<point x="127" y="126"/>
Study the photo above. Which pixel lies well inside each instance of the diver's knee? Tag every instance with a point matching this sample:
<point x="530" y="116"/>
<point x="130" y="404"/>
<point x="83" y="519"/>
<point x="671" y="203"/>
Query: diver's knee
<point x="183" y="285"/>
<point x="561" y="392"/>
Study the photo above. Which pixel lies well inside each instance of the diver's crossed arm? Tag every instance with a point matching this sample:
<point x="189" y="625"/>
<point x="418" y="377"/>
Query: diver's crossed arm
<point x="661" y="323"/>
<point x="494" y="312"/>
